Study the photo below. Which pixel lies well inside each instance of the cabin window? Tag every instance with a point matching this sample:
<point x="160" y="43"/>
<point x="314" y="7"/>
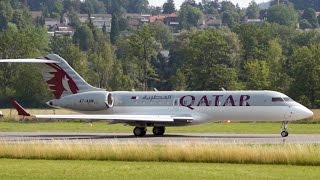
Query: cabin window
<point x="287" y="99"/>
<point x="277" y="99"/>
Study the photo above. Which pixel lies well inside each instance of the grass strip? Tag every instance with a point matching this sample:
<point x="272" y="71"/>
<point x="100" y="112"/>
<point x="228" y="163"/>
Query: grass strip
<point x="62" y="169"/>
<point x="294" y="154"/>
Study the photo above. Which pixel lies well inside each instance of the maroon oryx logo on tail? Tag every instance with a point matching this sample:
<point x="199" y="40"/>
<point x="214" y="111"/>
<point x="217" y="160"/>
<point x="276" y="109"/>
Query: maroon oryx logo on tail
<point x="61" y="82"/>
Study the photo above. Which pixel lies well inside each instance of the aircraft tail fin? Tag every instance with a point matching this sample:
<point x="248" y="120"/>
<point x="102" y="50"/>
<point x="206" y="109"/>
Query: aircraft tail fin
<point x="63" y="79"/>
<point x="19" y="108"/>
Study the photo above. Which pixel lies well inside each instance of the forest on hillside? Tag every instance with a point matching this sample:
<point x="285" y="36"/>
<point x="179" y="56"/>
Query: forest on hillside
<point x="281" y="53"/>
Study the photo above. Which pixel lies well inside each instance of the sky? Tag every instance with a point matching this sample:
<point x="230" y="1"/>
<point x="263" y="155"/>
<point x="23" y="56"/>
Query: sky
<point x="242" y="3"/>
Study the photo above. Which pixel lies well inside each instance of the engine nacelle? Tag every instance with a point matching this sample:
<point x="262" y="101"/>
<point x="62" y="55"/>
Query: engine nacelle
<point x="87" y="101"/>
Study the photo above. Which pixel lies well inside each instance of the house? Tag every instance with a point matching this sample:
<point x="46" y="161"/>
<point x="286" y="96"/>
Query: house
<point x="210" y="21"/>
<point x="137" y="20"/>
<point x="98" y="20"/>
<point x="36" y="14"/>
<point x="253" y="21"/>
<point x="49" y="22"/>
<point x="158" y="18"/>
<point x="60" y="30"/>
<point x="213" y="23"/>
<point x="171" y="20"/>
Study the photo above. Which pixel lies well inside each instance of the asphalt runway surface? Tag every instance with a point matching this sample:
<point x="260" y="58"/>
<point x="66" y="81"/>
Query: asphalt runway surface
<point x="124" y="138"/>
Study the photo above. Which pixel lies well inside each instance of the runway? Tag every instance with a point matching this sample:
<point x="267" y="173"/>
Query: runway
<point x="124" y="138"/>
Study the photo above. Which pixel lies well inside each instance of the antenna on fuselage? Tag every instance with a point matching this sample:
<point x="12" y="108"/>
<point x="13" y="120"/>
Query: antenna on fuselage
<point x="223" y="89"/>
<point x="155" y="89"/>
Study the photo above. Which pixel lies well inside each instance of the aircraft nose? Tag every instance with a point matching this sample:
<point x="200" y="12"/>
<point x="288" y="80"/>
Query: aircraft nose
<point x="304" y="112"/>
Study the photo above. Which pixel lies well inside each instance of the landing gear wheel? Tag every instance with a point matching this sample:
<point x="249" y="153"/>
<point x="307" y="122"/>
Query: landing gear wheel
<point x="284" y="133"/>
<point x="139" y="131"/>
<point x="158" y="131"/>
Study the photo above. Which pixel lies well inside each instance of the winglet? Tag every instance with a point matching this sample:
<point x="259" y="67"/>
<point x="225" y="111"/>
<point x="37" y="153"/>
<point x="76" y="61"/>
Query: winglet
<point x="19" y="108"/>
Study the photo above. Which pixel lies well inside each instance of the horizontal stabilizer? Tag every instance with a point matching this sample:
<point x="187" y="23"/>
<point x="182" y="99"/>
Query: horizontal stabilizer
<point x="41" y="61"/>
<point x="19" y="108"/>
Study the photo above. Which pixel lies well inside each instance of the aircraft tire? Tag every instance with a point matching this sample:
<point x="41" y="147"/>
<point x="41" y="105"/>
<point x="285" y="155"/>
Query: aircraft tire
<point x="284" y="133"/>
<point x="139" y="131"/>
<point x="158" y="131"/>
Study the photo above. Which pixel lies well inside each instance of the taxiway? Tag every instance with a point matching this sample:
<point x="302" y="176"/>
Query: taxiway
<point x="123" y="138"/>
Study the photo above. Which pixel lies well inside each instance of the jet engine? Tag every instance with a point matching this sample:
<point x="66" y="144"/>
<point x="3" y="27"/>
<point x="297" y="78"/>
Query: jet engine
<point x="86" y="101"/>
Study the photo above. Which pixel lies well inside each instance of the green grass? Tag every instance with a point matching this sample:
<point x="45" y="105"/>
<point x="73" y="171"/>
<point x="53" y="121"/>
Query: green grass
<point x="49" y="169"/>
<point x="241" y="128"/>
<point x="293" y="154"/>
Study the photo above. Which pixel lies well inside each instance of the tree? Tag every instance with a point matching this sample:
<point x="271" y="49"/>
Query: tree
<point x="305" y="73"/>
<point x="120" y="81"/>
<point x="211" y="7"/>
<point x="83" y="37"/>
<point x="92" y="7"/>
<point x="74" y="20"/>
<point x="179" y="81"/>
<point x="305" y="24"/>
<point x="305" y="4"/>
<point x="257" y="75"/>
<point x="155" y="10"/>
<point x="6" y="13"/>
<point x="101" y="61"/>
<point x="248" y="37"/>
<point x="230" y="14"/>
<point x="54" y="9"/>
<point x="22" y="18"/>
<point x="114" y="29"/>
<point x="189" y="16"/>
<point x="15" y="43"/>
<point x="208" y="63"/>
<point x="253" y="10"/>
<point x="283" y="14"/>
<point x="137" y="51"/>
<point x="162" y="34"/>
<point x="169" y="7"/>
<point x="137" y="6"/>
<point x="279" y="80"/>
<point x="276" y="2"/>
<point x="71" y="53"/>
<point x="190" y="2"/>
<point x="310" y="15"/>
<point x="230" y="18"/>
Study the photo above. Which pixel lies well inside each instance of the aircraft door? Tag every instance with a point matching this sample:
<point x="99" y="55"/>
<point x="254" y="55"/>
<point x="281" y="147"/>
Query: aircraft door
<point x="176" y="103"/>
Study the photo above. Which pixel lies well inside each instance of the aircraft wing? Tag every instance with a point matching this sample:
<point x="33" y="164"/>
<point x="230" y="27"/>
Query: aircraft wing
<point x="147" y="118"/>
<point x="40" y="61"/>
<point x="115" y="117"/>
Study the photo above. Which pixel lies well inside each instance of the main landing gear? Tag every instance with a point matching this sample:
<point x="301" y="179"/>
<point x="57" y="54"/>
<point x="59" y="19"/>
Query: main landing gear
<point x="141" y="131"/>
<point x="158" y="131"/>
<point x="284" y="126"/>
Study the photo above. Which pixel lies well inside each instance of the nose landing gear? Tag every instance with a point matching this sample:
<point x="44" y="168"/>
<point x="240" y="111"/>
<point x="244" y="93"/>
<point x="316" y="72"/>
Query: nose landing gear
<point x="284" y="126"/>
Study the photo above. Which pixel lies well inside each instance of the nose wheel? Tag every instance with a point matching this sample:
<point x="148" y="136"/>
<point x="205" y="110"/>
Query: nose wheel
<point x="284" y="127"/>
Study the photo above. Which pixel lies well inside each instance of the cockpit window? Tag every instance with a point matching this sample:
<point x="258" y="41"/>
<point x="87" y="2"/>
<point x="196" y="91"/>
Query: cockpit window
<point x="287" y="99"/>
<point x="277" y="99"/>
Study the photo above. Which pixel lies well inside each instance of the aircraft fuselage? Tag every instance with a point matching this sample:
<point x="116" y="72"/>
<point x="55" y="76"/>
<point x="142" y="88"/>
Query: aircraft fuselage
<point x="206" y="106"/>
